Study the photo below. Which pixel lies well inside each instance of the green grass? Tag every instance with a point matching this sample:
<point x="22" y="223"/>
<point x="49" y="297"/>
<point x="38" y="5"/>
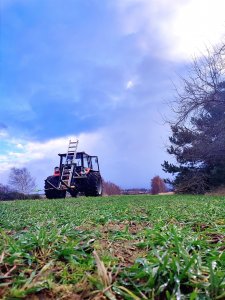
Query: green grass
<point x="124" y="247"/>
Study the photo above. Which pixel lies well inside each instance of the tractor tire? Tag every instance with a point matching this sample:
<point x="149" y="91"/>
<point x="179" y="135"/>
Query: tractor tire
<point x="93" y="186"/>
<point x="74" y="193"/>
<point x="51" y="193"/>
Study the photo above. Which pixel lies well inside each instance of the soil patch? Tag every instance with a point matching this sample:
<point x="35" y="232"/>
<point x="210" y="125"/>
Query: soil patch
<point x="125" y="250"/>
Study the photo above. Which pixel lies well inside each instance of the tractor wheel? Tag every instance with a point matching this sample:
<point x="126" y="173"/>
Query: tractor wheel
<point x="50" y="192"/>
<point x="73" y="193"/>
<point x="93" y="185"/>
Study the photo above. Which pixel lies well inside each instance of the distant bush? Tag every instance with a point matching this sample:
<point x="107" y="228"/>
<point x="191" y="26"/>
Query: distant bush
<point x="33" y="196"/>
<point x="110" y="188"/>
<point x="220" y="191"/>
<point x="7" y="194"/>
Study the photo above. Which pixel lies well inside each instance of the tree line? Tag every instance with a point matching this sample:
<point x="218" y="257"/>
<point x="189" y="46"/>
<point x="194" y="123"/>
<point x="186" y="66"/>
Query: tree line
<point x="21" y="185"/>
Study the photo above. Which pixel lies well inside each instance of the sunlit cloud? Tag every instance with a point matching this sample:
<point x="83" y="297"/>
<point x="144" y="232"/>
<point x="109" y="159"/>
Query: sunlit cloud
<point x="30" y="151"/>
<point x="129" y="84"/>
<point x="41" y="157"/>
<point x="184" y="28"/>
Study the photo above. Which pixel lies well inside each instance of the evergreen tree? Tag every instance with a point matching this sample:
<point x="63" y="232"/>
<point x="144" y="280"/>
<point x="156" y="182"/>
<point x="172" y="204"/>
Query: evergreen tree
<point x="198" y="137"/>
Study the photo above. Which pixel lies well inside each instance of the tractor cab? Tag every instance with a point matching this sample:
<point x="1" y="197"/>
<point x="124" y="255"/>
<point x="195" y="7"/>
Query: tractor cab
<point x="83" y="162"/>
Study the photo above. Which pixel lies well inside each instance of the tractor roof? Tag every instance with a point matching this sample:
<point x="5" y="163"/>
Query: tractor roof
<point x="79" y="153"/>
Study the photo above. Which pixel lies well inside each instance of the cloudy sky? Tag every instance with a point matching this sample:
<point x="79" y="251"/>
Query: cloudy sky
<point x="98" y="70"/>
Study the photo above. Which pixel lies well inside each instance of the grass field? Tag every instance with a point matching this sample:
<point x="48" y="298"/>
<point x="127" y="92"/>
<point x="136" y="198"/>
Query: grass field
<point x="124" y="247"/>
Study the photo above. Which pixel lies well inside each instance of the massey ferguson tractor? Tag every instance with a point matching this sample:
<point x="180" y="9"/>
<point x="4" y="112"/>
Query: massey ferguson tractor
<point x="78" y="172"/>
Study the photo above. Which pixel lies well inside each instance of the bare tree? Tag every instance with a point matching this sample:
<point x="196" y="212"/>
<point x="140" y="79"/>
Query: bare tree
<point x="110" y="188"/>
<point x="158" y="185"/>
<point x="21" y="180"/>
<point x="201" y="86"/>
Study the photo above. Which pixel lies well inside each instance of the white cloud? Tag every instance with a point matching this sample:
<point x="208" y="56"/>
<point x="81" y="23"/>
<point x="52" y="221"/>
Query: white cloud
<point x="32" y="151"/>
<point x="42" y="157"/>
<point x="196" y="25"/>
<point x="183" y="28"/>
<point x="19" y="146"/>
<point x="129" y="84"/>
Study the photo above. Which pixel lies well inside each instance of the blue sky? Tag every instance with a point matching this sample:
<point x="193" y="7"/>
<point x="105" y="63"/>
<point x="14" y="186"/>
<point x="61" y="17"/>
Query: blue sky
<point x="100" y="71"/>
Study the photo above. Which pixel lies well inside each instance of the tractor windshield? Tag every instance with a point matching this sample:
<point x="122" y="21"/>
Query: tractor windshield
<point x="88" y="161"/>
<point x="94" y="162"/>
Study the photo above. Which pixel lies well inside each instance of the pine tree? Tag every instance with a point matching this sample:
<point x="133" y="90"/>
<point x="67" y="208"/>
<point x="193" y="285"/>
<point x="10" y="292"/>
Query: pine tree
<point x="200" y="149"/>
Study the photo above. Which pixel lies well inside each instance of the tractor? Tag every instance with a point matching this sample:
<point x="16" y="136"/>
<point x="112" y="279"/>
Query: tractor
<point x="78" y="172"/>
